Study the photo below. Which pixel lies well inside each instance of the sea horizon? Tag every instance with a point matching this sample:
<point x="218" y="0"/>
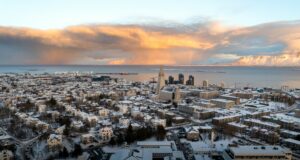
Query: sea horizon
<point x="232" y="76"/>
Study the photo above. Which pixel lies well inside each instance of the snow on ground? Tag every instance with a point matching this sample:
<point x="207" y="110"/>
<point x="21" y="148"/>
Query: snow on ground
<point x="39" y="150"/>
<point x="113" y="149"/>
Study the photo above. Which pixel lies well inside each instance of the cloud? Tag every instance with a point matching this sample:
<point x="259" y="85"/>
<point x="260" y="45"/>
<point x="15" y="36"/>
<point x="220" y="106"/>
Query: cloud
<point x="286" y="59"/>
<point x="272" y="44"/>
<point x="122" y="44"/>
<point x="275" y="43"/>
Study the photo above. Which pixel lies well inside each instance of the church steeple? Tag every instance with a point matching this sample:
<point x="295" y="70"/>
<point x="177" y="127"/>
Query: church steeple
<point x="160" y="80"/>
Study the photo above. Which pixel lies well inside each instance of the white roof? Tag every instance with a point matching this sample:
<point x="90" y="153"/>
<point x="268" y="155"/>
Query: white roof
<point x="222" y="100"/>
<point x="259" y="150"/>
<point x="237" y="124"/>
<point x="292" y="141"/>
<point x="263" y="122"/>
<point x="154" y="143"/>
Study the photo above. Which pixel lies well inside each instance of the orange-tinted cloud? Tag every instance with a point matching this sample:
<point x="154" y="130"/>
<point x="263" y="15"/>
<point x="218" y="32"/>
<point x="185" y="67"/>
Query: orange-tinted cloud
<point x="130" y="44"/>
<point x="196" y="44"/>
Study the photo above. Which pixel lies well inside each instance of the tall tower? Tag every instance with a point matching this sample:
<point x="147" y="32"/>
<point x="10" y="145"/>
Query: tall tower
<point x="190" y="81"/>
<point x="181" y="78"/>
<point x="161" y="80"/>
<point x="171" y="80"/>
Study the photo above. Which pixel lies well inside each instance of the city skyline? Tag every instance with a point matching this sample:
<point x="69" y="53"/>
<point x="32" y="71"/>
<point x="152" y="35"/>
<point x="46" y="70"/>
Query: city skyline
<point x="149" y="80"/>
<point x="235" y="33"/>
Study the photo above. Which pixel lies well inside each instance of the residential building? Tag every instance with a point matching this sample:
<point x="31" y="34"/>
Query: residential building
<point x="106" y="133"/>
<point x="257" y="152"/>
<point x="223" y="103"/>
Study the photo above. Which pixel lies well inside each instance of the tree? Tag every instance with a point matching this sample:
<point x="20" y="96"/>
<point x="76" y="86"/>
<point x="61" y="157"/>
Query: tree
<point x="64" y="153"/>
<point x="140" y="134"/>
<point x="129" y="134"/>
<point x="169" y="122"/>
<point x="298" y="138"/>
<point x="149" y="131"/>
<point x="112" y="141"/>
<point x="52" y="102"/>
<point x="66" y="131"/>
<point x="120" y="139"/>
<point x="175" y="104"/>
<point x="160" y="132"/>
<point x="139" y="118"/>
<point x="64" y="121"/>
<point x="143" y="133"/>
<point x="77" y="150"/>
<point x="27" y="106"/>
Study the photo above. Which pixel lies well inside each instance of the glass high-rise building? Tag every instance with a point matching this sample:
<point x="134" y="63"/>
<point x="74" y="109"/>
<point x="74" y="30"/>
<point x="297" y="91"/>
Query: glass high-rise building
<point x="181" y="78"/>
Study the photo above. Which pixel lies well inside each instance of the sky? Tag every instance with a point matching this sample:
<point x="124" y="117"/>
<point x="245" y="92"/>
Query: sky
<point x="190" y="32"/>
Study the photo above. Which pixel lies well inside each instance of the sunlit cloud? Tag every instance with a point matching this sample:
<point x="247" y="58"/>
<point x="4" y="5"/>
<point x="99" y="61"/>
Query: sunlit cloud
<point x="204" y="43"/>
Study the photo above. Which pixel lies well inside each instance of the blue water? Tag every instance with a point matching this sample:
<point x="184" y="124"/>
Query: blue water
<point x="232" y="76"/>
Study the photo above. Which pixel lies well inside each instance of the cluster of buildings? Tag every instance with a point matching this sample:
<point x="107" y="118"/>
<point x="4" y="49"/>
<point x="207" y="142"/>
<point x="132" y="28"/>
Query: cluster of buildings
<point x="189" y="81"/>
<point x="53" y="115"/>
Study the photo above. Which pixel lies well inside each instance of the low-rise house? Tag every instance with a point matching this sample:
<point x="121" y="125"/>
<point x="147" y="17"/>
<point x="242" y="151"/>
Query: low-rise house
<point x="178" y="120"/>
<point x="192" y="134"/>
<point x="203" y="114"/>
<point x="106" y="133"/>
<point x="42" y="108"/>
<point x="60" y="130"/>
<point x="292" y="143"/>
<point x="188" y="109"/>
<point x="103" y="112"/>
<point x="289" y="134"/>
<point x="124" y="122"/>
<point x="77" y="124"/>
<point x="6" y="155"/>
<point x="262" y="124"/>
<point x="234" y="127"/>
<point x="221" y="121"/>
<point x="54" y="141"/>
<point x="265" y="135"/>
<point x="42" y="126"/>
<point x="208" y="94"/>
<point x="232" y="98"/>
<point x="156" y="122"/>
<point x="87" y="138"/>
<point x="223" y="103"/>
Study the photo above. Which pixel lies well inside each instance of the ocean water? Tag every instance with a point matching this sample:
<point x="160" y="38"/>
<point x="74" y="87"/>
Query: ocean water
<point x="274" y="77"/>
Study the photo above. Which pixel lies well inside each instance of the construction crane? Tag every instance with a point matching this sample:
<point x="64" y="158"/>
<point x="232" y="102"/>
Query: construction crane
<point x="152" y="81"/>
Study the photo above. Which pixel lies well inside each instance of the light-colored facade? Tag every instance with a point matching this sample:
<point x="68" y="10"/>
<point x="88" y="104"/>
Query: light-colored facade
<point x="6" y="155"/>
<point x="161" y="80"/>
<point x="157" y="122"/>
<point x="205" y="83"/>
<point x="106" y="133"/>
<point x="192" y="134"/>
<point x="223" y="103"/>
<point x="103" y="112"/>
<point x="208" y="94"/>
<point x="54" y="141"/>
<point x="187" y="109"/>
<point x="232" y="98"/>
<point x="177" y="95"/>
<point x="87" y="138"/>
<point x="262" y="124"/>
